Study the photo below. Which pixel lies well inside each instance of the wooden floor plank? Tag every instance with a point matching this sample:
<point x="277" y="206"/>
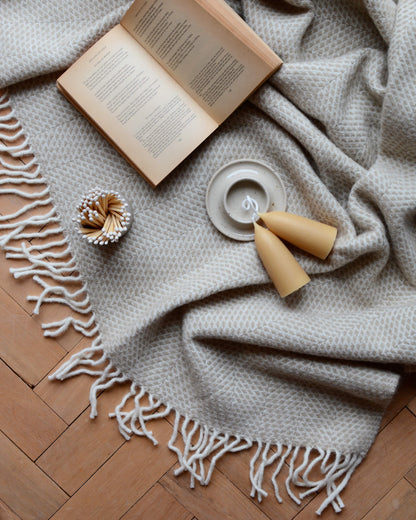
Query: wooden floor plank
<point x="85" y="445"/>
<point x="6" y="513"/>
<point x="219" y="500"/>
<point x="11" y="203"/>
<point x="411" y="476"/>
<point x="398" y="504"/>
<point x="405" y="393"/>
<point x="386" y="463"/>
<point x="18" y="289"/>
<point x="158" y="504"/>
<point x="24" y="417"/>
<point x="412" y="406"/>
<point x="24" y="488"/>
<point x="70" y="398"/>
<point x="12" y="161"/>
<point x="123" y="479"/>
<point x="22" y="344"/>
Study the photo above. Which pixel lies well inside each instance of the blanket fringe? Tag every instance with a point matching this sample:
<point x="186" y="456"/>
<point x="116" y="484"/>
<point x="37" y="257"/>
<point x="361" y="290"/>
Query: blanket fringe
<point x="52" y="270"/>
<point x="197" y="446"/>
<point x="201" y="447"/>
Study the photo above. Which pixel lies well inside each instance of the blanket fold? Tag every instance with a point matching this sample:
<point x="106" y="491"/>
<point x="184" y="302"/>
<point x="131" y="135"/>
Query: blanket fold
<point x="188" y="316"/>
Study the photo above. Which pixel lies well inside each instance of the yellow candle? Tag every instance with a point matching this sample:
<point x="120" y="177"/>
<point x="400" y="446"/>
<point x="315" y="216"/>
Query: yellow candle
<point x="282" y="267"/>
<point x="310" y="235"/>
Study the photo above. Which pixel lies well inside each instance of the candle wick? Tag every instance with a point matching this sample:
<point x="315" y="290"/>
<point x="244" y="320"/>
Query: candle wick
<point x="250" y="203"/>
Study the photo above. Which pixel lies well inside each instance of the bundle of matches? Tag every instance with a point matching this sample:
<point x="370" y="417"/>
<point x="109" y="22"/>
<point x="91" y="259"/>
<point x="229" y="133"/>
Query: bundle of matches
<point x="103" y="216"/>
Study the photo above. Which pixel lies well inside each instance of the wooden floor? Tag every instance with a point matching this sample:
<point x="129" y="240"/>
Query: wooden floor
<point x="58" y="463"/>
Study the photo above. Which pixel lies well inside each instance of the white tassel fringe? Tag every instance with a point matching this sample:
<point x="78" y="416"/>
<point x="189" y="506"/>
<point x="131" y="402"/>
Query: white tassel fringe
<point x="44" y="263"/>
<point x="202" y="447"/>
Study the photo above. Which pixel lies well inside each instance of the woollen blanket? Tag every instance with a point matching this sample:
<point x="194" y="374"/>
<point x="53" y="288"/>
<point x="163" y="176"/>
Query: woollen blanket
<point x="189" y="316"/>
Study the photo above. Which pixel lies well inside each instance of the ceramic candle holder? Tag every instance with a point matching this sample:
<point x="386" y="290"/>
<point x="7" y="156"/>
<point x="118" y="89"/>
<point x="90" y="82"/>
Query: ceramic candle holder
<point x="235" y="195"/>
<point x="229" y="188"/>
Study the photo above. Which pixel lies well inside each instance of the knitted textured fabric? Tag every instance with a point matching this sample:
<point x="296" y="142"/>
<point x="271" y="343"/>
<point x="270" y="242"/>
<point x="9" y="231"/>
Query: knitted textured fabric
<point x="190" y="316"/>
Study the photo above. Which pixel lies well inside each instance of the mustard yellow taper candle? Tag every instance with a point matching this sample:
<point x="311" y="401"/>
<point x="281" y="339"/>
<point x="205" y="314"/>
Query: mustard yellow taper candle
<point x="282" y="267"/>
<point x="310" y="235"/>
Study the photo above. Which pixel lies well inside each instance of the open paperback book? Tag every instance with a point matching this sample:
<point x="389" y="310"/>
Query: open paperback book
<point x="166" y="77"/>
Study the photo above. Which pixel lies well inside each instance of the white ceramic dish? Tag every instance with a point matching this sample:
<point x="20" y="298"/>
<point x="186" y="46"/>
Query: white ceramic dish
<point x="228" y="188"/>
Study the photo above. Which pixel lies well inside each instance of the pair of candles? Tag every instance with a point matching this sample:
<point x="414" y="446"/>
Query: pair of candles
<point x="309" y="235"/>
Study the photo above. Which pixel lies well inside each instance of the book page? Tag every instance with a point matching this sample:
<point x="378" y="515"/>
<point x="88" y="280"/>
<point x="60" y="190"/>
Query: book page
<point x="208" y="59"/>
<point x="136" y="104"/>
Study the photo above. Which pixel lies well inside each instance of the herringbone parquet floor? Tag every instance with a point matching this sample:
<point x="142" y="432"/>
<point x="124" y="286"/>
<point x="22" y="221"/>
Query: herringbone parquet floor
<point x="55" y="462"/>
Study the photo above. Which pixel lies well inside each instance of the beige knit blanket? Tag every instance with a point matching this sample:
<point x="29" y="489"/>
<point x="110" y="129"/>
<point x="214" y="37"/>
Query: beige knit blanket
<point x="189" y="316"/>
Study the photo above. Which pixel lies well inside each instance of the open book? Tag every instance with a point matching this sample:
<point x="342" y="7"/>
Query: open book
<point x="166" y="77"/>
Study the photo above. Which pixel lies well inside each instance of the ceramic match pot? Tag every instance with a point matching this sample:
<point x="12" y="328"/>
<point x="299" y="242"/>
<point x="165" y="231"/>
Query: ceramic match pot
<point x="103" y="217"/>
